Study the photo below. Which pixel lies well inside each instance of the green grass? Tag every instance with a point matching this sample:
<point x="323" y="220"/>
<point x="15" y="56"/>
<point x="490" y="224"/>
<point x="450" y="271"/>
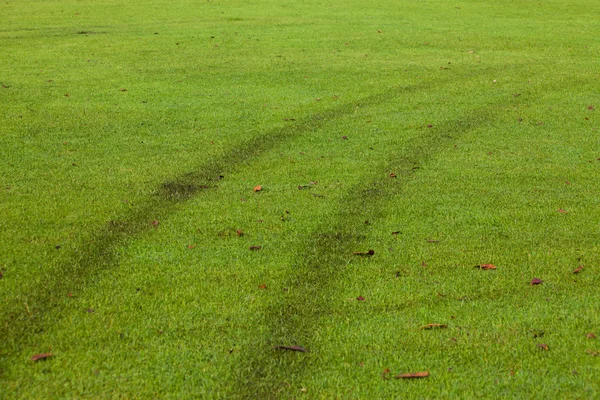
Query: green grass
<point x="120" y="202"/>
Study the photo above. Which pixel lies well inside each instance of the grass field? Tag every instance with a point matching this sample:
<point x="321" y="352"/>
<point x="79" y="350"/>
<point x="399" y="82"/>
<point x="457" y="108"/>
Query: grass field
<point x="439" y="134"/>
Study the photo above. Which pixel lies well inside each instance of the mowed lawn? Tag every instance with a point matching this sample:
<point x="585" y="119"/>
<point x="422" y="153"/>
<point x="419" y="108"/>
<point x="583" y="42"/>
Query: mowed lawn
<point x="185" y="186"/>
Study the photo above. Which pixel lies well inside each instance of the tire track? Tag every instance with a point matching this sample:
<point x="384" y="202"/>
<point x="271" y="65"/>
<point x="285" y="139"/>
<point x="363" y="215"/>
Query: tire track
<point x="26" y="316"/>
<point x="293" y="321"/>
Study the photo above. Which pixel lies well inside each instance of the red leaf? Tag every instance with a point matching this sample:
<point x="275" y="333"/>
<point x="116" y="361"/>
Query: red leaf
<point x="413" y="375"/>
<point x="567" y="183"/>
<point x="262" y="286"/>
<point x="591" y="108"/>
<point x="345" y="137"/>
<point x="42" y="356"/>
<point x="591" y="336"/>
<point x="191" y="246"/>
<point x="486" y="266"/>
<point x="536" y="281"/>
<point x="155" y="223"/>
<point x="239" y="232"/>
<point x="255" y="247"/>
<point x="578" y="269"/>
<point x="392" y="175"/>
<point x="560" y="210"/>
<point x="364" y="253"/>
<point x="257" y="188"/>
<point x="292" y="348"/>
<point x="360" y="298"/>
<point x="542" y="346"/>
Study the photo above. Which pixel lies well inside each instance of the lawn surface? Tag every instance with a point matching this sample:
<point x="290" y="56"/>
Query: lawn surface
<point x="441" y="135"/>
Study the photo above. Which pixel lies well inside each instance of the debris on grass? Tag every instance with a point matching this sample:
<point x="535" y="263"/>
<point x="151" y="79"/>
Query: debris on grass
<point x="292" y="348"/>
<point x="486" y="266"/>
<point x="413" y="375"/>
<point x="42" y="356"/>
<point x="255" y="247"/>
<point x="536" y="281"/>
<point x="578" y="269"/>
<point x="433" y="326"/>
<point x="364" y="253"/>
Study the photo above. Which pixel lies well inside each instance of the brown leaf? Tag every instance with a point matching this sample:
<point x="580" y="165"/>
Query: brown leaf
<point x="432" y="326"/>
<point x="42" y="356"/>
<point x="591" y="108"/>
<point x="69" y="294"/>
<point x="292" y="348"/>
<point x="239" y="232"/>
<point x="257" y="188"/>
<point x="560" y="210"/>
<point x="591" y="336"/>
<point x="413" y="375"/>
<point x="360" y="298"/>
<point x="364" y="253"/>
<point x="395" y="233"/>
<point x="262" y="286"/>
<point x="191" y="246"/>
<point x="386" y="374"/>
<point x="536" y="281"/>
<point x="567" y="183"/>
<point x="123" y="89"/>
<point x="255" y="247"/>
<point x="578" y="269"/>
<point x="592" y="353"/>
<point x="345" y="137"/>
<point x="432" y="241"/>
<point x="542" y="346"/>
<point x="155" y="223"/>
<point x="392" y="175"/>
<point x="486" y="266"/>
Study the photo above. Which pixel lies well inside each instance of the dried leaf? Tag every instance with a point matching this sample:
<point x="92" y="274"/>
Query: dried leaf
<point x="257" y="188"/>
<point x="543" y="346"/>
<point x="292" y="348"/>
<point x="432" y="326"/>
<point x="578" y="269"/>
<point x="191" y="246"/>
<point x="486" y="266"/>
<point x="413" y="375"/>
<point x="591" y="336"/>
<point x="155" y="223"/>
<point x="395" y="233"/>
<point x="591" y="108"/>
<point x="364" y="253"/>
<point x="392" y="175"/>
<point x="42" y="356"/>
<point x="432" y="241"/>
<point x="239" y="232"/>
<point x="255" y="247"/>
<point x="345" y="137"/>
<point x="592" y="353"/>
<point x="262" y="286"/>
<point x="360" y="298"/>
<point x="560" y="210"/>
<point x="123" y="89"/>
<point x="386" y="374"/>
<point x="536" y="281"/>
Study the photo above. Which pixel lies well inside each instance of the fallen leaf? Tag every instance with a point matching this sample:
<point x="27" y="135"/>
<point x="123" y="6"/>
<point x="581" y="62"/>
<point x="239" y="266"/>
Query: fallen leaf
<point x="360" y="298"/>
<point x="430" y="126"/>
<point x="592" y="353"/>
<point x="542" y="346"/>
<point x="591" y="108"/>
<point x="432" y="326"/>
<point x="560" y="210"/>
<point x="257" y="188"/>
<point x="42" y="356"/>
<point x="432" y="241"/>
<point x="567" y="183"/>
<point x="262" y="286"/>
<point x="191" y="246"/>
<point x="578" y="269"/>
<point x="413" y="375"/>
<point x="239" y="232"/>
<point x="486" y="266"/>
<point x="364" y="253"/>
<point x="122" y="89"/>
<point x="90" y="310"/>
<point x="591" y="336"/>
<point x="345" y="137"/>
<point x="69" y="294"/>
<point x="386" y="374"/>
<point x="392" y="175"/>
<point x="536" y="281"/>
<point x="395" y="233"/>
<point x="292" y="348"/>
<point x="255" y="247"/>
<point x="155" y="223"/>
